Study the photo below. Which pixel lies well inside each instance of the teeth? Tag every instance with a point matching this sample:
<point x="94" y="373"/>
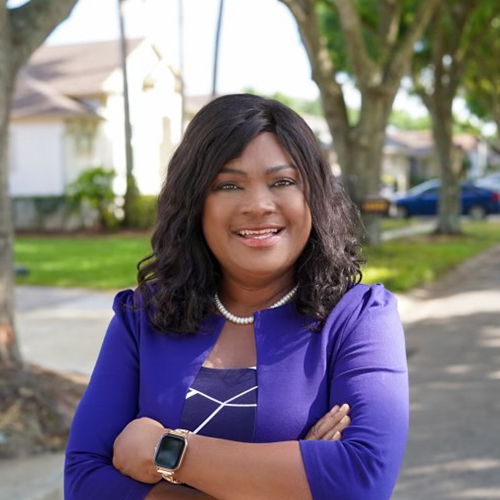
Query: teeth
<point x="263" y="231"/>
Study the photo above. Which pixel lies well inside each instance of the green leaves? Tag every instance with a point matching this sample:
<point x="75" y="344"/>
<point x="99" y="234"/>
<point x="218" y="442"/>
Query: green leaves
<point x="94" y="187"/>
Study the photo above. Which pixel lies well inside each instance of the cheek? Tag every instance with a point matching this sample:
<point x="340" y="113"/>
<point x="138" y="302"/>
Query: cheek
<point x="300" y="214"/>
<point x="214" y="221"/>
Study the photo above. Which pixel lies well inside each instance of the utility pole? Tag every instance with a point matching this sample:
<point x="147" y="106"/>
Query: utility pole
<point x="216" y="55"/>
<point x="181" y="64"/>
<point x="131" y="188"/>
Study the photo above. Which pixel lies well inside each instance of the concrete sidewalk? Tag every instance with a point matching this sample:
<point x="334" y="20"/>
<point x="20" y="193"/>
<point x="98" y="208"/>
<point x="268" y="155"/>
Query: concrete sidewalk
<point x="453" y="341"/>
<point x="454" y="361"/>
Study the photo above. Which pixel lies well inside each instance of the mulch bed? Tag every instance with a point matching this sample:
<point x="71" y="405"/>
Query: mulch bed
<point x="36" y="409"/>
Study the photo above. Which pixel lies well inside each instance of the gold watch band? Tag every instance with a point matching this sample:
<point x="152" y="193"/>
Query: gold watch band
<point x="168" y="474"/>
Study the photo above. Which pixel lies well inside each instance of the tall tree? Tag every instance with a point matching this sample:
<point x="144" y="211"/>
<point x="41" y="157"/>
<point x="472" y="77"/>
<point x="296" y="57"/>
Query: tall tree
<point x="372" y="41"/>
<point x="22" y="31"/>
<point x="448" y="46"/>
<point x="482" y="74"/>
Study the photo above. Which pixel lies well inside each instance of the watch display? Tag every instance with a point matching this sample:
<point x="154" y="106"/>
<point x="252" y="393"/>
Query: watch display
<point x="169" y="451"/>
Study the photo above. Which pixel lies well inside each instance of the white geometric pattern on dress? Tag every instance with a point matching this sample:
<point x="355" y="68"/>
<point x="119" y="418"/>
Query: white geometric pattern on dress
<point x="192" y="392"/>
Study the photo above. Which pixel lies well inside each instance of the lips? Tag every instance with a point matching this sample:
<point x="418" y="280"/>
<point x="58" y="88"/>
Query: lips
<point x="258" y="233"/>
<point x="259" y="238"/>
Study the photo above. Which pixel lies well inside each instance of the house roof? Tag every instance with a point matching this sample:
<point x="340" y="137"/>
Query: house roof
<point x="421" y="142"/>
<point x="34" y="98"/>
<point x="57" y="78"/>
<point x="414" y="142"/>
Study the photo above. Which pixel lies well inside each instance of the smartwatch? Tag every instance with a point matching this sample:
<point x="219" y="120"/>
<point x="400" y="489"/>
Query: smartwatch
<point x="170" y="452"/>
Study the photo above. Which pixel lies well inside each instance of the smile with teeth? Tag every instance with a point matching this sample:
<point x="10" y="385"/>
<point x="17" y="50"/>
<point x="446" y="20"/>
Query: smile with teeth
<point x="258" y="235"/>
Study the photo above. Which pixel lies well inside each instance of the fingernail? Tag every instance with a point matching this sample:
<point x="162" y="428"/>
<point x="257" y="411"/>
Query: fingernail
<point x="336" y="435"/>
<point x="334" y="409"/>
<point x="344" y="407"/>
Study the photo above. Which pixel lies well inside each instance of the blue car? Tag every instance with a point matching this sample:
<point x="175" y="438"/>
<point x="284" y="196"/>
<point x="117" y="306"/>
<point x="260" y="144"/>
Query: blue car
<point x="477" y="202"/>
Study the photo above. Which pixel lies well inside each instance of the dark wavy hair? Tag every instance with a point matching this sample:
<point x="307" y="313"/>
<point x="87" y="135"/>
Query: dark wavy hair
<point x="178" y="280"/>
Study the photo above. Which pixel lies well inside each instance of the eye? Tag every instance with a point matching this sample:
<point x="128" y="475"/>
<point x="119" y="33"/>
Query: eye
<point x="227" y="186"/>
<point x="284" y="183"/>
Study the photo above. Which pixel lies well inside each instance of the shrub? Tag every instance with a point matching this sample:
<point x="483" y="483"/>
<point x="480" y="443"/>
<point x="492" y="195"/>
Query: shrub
<point x="142" y="213"/>
<point x="94" y="187"/>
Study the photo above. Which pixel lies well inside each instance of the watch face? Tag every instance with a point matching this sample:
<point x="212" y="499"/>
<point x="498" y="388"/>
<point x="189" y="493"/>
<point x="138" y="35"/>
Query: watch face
<point x="169" y="451"/>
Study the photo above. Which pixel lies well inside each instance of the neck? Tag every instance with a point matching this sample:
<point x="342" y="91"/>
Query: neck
<point x="243" y="299"/>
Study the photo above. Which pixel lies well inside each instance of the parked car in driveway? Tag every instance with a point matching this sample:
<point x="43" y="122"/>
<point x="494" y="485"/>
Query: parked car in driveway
<point x="476" y="201"/>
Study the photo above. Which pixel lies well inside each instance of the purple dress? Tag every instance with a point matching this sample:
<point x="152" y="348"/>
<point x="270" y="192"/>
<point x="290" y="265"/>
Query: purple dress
<point x="217" y="399"/>
<point x="357" y="358"/>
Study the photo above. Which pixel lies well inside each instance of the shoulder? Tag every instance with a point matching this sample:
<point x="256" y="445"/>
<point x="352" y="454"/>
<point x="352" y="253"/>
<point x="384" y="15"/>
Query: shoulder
<point x="359" y="303"/>
<point x="361" y="298"/>
<point x="127" y="306"/>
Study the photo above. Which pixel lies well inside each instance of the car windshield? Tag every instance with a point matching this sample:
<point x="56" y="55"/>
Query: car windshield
<point x="490" y="181"/>
<point x="420" y="188"/>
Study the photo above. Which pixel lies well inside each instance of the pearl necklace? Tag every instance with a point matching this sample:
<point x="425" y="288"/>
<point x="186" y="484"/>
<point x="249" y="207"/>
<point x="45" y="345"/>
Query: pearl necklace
<point x="249" y="319"/>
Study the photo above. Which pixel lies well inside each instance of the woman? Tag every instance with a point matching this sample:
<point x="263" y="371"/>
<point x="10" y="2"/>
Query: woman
<point x="248" y="325"/>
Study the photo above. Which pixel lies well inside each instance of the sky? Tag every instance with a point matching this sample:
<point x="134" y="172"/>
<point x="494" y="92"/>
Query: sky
<point x="260" y="44"/>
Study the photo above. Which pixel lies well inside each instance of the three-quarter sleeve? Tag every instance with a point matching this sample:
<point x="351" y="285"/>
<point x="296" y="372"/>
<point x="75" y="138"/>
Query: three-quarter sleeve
<point x="370" y="374"/>
<point x="108" y="405"/>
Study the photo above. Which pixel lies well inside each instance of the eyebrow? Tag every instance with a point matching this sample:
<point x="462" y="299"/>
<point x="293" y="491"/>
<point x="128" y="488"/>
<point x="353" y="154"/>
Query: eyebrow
<point x="268" y="171"/>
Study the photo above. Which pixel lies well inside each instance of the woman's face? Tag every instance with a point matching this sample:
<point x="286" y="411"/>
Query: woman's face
<point x="256" y="219"/>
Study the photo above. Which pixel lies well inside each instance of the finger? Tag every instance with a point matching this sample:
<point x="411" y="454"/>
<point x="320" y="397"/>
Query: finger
<point x="330" y="420"/>
<point x="327" y="422"/>
<point x="338" y="424"/>
<point x="338" y="428"/>
<point x="336" y="437"/>
<point x="315" y="432"/>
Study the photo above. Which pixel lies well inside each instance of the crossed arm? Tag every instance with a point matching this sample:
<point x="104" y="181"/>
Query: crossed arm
<point x="236" y="470"/>
<point x="231" y="470"/>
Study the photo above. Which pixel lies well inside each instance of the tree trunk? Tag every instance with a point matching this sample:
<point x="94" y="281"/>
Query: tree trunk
<point x="22" y="30"/>
<point x="359" y="148"/>
<point x="360" y="153"/>
<point x="10" y="356"/>
<point x="449" y="193"/>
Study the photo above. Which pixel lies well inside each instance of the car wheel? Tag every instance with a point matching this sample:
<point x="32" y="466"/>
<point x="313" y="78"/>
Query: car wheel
<point x="402" y="212"/>
<point x="477" y="212"/>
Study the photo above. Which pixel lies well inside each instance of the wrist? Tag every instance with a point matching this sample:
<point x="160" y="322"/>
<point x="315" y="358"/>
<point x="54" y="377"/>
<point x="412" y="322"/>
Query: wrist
<point x="183" y="473"/>
<point x="170" y="453"/>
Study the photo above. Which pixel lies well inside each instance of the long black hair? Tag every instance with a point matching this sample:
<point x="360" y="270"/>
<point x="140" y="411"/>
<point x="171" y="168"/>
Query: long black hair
<point x="178" y="280"/>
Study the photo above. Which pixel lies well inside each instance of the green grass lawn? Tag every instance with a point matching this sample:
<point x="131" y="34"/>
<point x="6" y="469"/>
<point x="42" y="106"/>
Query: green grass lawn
<point x="109" y="262"/>
<point x="102" y="262"/>
<point x="390" y="223"/>
<point x="405" y="263"/>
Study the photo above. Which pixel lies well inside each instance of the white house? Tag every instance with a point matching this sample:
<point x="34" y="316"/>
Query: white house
<point x="410" y="156"/>
<point x="67" y="115"/>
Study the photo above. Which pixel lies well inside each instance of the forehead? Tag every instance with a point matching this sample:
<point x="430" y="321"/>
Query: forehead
<point x="261" y="153"/>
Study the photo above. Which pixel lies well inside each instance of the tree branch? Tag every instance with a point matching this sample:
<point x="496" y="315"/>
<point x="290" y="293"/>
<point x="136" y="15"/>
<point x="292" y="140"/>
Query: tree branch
<point x="389" y="19"/>
<point x="461" y="20"/>
<point x="323" y="70"/>
<point x="437" y="49"/>
<point x="398" y="64"/>
<point x="365" y="70"/>
<point x="32" y="23"/>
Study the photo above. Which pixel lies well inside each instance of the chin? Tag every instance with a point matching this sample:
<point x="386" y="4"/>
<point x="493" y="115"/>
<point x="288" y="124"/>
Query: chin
<point x="264" y="270"/>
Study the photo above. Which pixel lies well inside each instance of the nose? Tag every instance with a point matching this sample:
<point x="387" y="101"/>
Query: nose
<point x="258" y="201"/>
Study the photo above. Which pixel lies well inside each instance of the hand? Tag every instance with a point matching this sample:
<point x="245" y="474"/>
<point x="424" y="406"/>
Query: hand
<point x="134" y="448"/>
<point x="330" y="426"/>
